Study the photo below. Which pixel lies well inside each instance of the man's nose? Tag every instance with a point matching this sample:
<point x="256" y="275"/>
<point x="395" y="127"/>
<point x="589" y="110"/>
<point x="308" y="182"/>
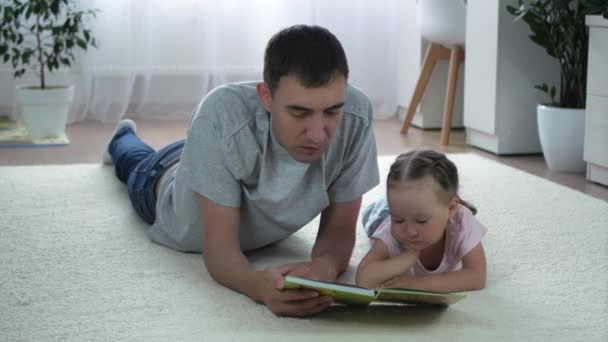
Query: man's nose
<point x="315" y="130"/>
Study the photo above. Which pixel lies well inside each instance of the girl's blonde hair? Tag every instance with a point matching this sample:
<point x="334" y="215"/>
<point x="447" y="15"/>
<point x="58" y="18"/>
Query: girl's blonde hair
<point x="418" y="164"/>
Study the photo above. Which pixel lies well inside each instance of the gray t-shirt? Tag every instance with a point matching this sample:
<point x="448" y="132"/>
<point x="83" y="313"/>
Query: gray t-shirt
<point x="232" y="158"/>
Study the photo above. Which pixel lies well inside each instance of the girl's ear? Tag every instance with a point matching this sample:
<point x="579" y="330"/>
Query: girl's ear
<point x="264" y="95"/>
<point x="453" y="206"/>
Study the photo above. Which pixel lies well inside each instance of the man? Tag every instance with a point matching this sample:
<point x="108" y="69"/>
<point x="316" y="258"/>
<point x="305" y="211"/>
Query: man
<point x="259" y="162"/>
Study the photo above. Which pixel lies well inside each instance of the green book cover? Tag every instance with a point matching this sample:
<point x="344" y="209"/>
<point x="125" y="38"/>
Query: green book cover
<point x="355" y="295"/>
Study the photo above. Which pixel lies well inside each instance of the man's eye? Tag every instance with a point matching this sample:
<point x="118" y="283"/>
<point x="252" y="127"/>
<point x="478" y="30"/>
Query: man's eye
<point x="332" y="113"/>
<point x="299" y="114"/>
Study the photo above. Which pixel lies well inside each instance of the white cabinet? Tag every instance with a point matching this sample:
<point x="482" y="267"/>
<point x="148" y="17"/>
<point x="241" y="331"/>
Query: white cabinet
<point x="502" y="67"/>
<point x="596" y="119"/>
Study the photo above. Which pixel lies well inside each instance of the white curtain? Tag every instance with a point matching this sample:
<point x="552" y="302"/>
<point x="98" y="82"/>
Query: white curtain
<point x="158" y="58"/>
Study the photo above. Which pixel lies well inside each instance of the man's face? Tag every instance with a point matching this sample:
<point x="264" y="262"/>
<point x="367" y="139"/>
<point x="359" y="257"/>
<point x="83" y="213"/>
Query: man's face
<point x="304" y="119"/>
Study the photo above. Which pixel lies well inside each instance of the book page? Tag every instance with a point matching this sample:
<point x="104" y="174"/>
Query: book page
<point x="341" y="293"/>
<point x="417" y="296"/>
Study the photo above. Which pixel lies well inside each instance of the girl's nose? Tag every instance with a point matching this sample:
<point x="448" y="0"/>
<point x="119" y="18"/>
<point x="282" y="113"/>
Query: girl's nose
<point x="411" y="232"/>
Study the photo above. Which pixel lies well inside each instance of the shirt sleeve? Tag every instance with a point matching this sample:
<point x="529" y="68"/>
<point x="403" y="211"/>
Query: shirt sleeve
<point x="359" y="172"/>
<point x="383" y="233"/>
<point x="205" y="166"/>
<point x="471" y="233"/>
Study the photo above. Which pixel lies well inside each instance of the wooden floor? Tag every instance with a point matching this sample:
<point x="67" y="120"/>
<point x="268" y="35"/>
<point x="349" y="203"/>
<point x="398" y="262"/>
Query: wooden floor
<point x="89" y="138"/>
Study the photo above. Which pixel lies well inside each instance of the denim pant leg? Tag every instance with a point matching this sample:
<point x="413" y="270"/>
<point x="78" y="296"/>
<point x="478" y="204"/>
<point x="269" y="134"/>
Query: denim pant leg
<point x="142" y="180"/>
<point x="374" y="214"/>
<point x="127" y="151"/>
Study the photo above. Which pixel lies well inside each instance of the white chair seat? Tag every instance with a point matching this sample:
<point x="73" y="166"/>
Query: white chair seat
<point x="442" y="21"/>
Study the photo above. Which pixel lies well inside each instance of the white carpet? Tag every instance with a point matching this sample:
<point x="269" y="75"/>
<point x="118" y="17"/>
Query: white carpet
<point x="75" y="265"/>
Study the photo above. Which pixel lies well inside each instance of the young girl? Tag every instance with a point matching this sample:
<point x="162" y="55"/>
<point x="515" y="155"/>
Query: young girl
<point x="427" y="238"/>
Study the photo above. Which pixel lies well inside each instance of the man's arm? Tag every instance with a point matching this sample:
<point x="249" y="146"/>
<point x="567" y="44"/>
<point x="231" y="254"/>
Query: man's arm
<point x="334" y="243"/>
<point x="336" y="237"/>
<point x="229" y="267"/>
<point x="221" y="248"/>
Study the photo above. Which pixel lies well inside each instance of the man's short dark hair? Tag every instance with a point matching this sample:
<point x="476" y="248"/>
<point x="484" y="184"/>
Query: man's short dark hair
<point x="310" y="53"/>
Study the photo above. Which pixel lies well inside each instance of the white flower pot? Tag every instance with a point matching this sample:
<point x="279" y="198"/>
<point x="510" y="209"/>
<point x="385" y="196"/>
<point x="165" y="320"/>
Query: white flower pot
<point x="44" y="111"/>
<point x="562" y="137"/>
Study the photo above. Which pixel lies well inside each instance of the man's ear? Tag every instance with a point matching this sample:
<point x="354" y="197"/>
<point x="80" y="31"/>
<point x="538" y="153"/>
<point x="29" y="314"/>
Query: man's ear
<point x="453" y="206"/>
<point x="264" y="95"/>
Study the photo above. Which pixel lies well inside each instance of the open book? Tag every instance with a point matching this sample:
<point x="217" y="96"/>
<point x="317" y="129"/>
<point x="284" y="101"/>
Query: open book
<point x="355" y="295"/>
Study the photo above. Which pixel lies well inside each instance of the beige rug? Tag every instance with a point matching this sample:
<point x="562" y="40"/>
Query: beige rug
<point x="75" y="265"/>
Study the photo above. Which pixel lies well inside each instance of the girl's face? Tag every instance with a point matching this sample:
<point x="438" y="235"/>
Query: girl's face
<point x="418" y="215"/>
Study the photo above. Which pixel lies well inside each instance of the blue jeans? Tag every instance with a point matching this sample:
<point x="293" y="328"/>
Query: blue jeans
<point x="140" y="167"/>
<point x="374" y="214"/>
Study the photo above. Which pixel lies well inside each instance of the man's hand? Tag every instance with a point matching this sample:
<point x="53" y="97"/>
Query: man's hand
<point x="317" y="269"/>
<point x="288" y="302"/>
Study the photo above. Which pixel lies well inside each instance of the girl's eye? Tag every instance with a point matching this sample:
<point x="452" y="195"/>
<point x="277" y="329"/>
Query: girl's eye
<point x="398" y="221"/>
<point x="422" y="221"/>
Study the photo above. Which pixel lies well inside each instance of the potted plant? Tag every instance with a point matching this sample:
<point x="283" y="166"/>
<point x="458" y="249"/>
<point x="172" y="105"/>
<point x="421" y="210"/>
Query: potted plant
<point x="559" y="27"/>
<point x="42" y="36"/>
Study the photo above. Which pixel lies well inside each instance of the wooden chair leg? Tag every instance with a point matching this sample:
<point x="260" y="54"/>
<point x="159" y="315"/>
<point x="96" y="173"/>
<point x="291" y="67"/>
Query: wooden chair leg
<point x="433" y="53"/>
<point x="456" y="56"/>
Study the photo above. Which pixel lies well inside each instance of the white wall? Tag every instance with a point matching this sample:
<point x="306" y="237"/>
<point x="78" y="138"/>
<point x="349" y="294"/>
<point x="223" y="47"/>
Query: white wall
<point x="409" y="55"/>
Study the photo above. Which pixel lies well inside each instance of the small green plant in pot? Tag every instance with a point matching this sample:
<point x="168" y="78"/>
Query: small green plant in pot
<point x="559" y="27"/>
<point x="42" y="36"/>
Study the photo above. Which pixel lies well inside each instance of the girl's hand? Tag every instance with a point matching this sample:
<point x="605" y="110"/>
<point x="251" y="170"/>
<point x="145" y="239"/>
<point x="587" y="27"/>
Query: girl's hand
<point x="404" y="281"/>
<point x="409" y="253"/>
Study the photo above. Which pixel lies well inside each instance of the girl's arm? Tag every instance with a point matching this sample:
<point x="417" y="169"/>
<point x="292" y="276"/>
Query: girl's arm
<point x="377" y="267"/>
<point x="472" y="276"/>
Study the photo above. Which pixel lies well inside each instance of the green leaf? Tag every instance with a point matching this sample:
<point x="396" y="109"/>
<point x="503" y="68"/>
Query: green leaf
<point x="544" y="88"/>
<point x="522" y="13"/>
<point x="19" y="72"/>
<point x="512" y="10"/>
<point x="43" y="8"/>
<point x="55" y="7"/>
<point x="81" y="43"/>
<point x="8" y="14"/>
<point x="25" y="58"/>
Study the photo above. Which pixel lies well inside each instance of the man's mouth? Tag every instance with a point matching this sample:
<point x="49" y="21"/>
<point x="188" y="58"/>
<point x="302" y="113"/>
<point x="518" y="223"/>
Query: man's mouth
<point x="312" y="149"/>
